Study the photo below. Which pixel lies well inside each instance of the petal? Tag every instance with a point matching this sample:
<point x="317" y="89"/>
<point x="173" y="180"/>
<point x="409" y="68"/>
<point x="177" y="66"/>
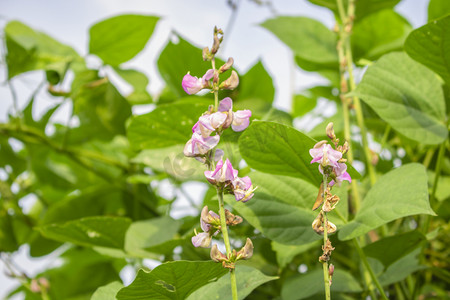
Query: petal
<point x="202" y="240"/>
<point x="226" y="104"/>
<point x="217" y="119"/>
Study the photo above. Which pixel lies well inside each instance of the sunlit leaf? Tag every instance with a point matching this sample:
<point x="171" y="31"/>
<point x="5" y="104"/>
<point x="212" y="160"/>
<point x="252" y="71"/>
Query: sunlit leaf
<point x="172" y="280"/>
<point x="438" y="9"/>
<point x="91" y="231"/>
<point x="401" y="192"/>
<point x="247" y="279"/>
<point x="430" y="45"/>
<point x="120" y="38"/>
<point x="107" y="292"/>
<point x="167" y="125"/>
<point x="407" y="96"/>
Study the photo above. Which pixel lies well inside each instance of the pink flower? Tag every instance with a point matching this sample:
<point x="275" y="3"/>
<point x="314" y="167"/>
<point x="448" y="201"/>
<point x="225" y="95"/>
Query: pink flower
<point x="208" y="123"/>
<point x="241" y="120"/>
<point x="193" y="85"/>
<point x="325" y="155"/>
<point x="223" y="173"/>
<point x="198" y="145"/>
<point x="202" y="240"/>
<point x="238" y="120"/>
<point x="341" y="174"/>
<point x="243" y="189"/>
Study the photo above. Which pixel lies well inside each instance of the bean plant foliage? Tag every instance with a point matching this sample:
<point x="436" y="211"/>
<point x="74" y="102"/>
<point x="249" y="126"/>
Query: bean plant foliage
<point x="97" y="190"/>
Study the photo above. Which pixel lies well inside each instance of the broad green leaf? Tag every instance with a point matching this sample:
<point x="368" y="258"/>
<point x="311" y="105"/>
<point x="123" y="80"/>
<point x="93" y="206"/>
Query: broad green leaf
<point x="401" y="192"/>
<point x="256" y="90"/>
<point x="143" y="235"/>
<point x="303" y="286"/>
<point x="430" y="45"/>
<point x="279" y="149"/>
<point x="30" y="50"/>
<point x="362" y="8"/>
<point x="90" y="231"/>
<point x="379" y="33"/>
<point x="400" y="269"/>
<point x="438" y="9"/>
<point x="102" y="110"/>
<point x="179" y="58"/>
<point x="167" y="125"/>
<point x="107" y="292"/>
<point x="172" y="280"/>
<point x="8" y="241"/>
<point x="407" y="96"/>
<point x="391" y="249"/>
<point x="286" y="253"/>
<point x="280" y="209"/>
<point x="247" y="279"/>
<point x="172" y="161"/>
<point x="120" y="38"/>
<point x="309" y="39"/>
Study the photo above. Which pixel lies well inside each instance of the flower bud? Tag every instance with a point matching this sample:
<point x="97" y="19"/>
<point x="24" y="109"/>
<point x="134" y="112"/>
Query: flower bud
<point x="331" y="270"/>
<point x="202" y="240"/>
<point x="320" y="144"/>
<point x="216" y="255"/>
<point x="231" y="83"/>
<point x="206" y="54"/>
<point x="330" y="131"/>
<point x="227" y="65"/>
<point x="246" y="252"/>
<point x="34" y="286"/>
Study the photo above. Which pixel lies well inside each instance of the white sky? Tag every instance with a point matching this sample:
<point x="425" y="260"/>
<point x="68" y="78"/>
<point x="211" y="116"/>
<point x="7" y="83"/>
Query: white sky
<point x="69" y="22"/>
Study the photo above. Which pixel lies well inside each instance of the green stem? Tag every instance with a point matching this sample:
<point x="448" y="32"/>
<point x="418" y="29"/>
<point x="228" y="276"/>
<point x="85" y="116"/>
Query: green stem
<point x="216" y="92"/>
<point x="226" y="240"/>
<point x="369" y="268"/>
<point x="326" y="276"/>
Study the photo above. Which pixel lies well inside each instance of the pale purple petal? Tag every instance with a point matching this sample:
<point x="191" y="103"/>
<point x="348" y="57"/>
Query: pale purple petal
<point x="191" y="84"/>
<point x="226" y="104"/>
<point x="217" y="119"/>
<point x="202" y="240"/>
<point x="247" y="181"/>
<point x="214" y="215"/>
<point x="218" y="155"/>
<point x="208" y="75"/>
<point x="229" y="171"/>
<point x="218" y="168"/>
<point x="205" y="226"/>
<point x="241" y="120"/>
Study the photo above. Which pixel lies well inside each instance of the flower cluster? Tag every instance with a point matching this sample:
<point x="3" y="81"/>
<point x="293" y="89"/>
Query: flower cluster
<point x="334" y="170"/>
<point x="211" y="122"/>
<point x="202" y="145"/>
<point x="225" y="177"/>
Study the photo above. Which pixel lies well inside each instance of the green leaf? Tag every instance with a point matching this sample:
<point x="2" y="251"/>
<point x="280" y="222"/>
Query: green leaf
<point x="438" y="9"/>
<point x="172" y="280"/>
<point x="430" y="45"/>
<point x="247" y="279"/>
<point x="391" y="249"/>
<point x="279" y="149"/>
<point x="303" y="286"/>
<point x="400" y="269"/>
<point x="309" y="39"/>
<point x="255" y="85"/>
<point x="379" y="33"/>
<point x="90" y="231"/>
<point x="108" y="291"/>
<point x="280" y="209"/>
<point x="407" y="96"/>
<point x="167" y="125"/>
<point x="102" y="110"/>
<point x="119" y="39"/>
<point x="171" y="160"/>
<point x="143" y="235"/>
<point x="362" y="9"/>
<point x="179" y="58"/>
<point x="401" y="192"/>
<point x="30" y="50"/>
<point x="286" y="253"/>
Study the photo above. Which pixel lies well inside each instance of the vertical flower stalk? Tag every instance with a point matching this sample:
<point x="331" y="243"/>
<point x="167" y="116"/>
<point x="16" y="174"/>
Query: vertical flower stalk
<point x="334" y="170"/>
<point x="202" y="146"/>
